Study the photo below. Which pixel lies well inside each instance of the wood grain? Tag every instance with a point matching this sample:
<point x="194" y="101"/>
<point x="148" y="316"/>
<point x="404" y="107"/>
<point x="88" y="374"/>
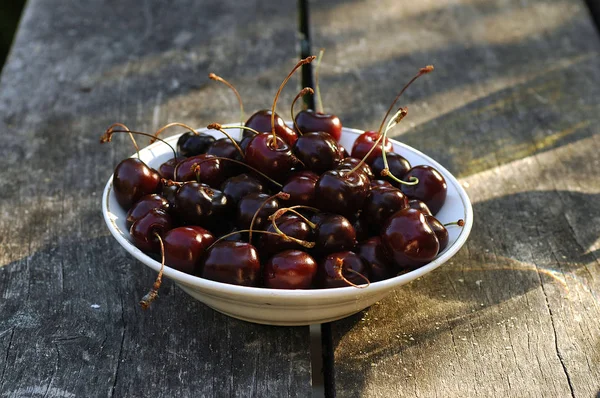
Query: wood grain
<point x="70" y="325"/>
<point x="512" y="108"/>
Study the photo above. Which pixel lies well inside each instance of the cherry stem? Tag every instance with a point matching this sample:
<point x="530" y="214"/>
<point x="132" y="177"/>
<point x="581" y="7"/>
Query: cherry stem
<point x="317" y="88"/>
<point x="218" y="127"/>
<point x="237" y="94"/>
<point x="339" y="268"/>
<point x="460" y="223"/>
<point x="197" y="170"/>
<point x="302" y="93"/>
<point x="281" y="212"/>
<point x="153" y="293"/>
<point x="166" y="126"/>
<point x="397" y="118"/>
<point x="422" y="72"/>
<point x="107" y="137"/>
<point x="241" y="231"/>
<point x="278" y="195"/>
<point x="226" y="127"/>
<point x="298" y="65"/>
<point x="137" y="148"/>
<point x="169" y="183"/>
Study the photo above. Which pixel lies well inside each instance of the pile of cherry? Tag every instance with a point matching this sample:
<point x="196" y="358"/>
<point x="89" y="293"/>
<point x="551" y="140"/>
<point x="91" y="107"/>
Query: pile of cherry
<point x="284" y="208"/>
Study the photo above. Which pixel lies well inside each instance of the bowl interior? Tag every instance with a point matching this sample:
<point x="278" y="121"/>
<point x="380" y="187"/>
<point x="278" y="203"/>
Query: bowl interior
<point x="457" y="206"/>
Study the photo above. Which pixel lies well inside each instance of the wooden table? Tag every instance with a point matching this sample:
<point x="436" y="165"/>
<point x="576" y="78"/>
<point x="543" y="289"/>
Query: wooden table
<point x="513" y="109"/>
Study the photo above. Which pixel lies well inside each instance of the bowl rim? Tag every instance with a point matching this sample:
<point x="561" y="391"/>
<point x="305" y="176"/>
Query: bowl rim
<point x="349" y="293"/>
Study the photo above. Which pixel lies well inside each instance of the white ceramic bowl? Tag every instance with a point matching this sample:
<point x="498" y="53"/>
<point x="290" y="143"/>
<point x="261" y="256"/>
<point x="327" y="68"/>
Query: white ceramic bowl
<point x="293" y="307"/>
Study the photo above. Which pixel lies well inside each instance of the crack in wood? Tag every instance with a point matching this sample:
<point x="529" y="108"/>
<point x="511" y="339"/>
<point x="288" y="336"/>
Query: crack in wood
<point x="12" y="332"/>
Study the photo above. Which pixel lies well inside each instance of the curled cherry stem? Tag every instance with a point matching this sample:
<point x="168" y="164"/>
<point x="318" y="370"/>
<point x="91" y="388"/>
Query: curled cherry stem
<point x="302" y="93"/>
<point x="459" y="222"/>
<point x="298" y="65"/>
<point x="317" y="88"/>
<point x="218" y="127"/>
<point x="278" y="195"/>
<point x="107" y="137"/>
<point x="397" y="118"/>
<point x="339" y="268"/>
<point x="237" y="94"/>
<point x="422" y="72"/>
<point x="273" y="217"/>
<point x="236" y="162"/>
<point x="166" y="126"/>
<point x="112" y="126"/>
<point x="153" y="293"/>
<point x="241" y="231"/>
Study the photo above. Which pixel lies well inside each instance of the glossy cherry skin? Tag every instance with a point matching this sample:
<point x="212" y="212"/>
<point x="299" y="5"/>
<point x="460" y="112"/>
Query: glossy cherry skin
<point x="318" y="151"/>
<point x="431" y="189"/>
<point x="334" y="233"/>
<point x="235" y="263"/>
<point x="410" y="239"/>
<point x="224" y="148"/>
<point x="185" y="246"/>
<point x="199" y="204"/>
<point x="168" y="192"/>
<point x="343" y="152"/>
<point x="143" y="231"/>
<point x="190" y="144"/>
<point x="337" y="264"/>
<point x="365" y="142"/>
<point x="143" y="206"/>
<point x="275" y="162"/>
<point x="361" y="227"/>
<point x="291" y="225"/>
<point x="418" y="205"/>
<point x="167" y="169"/>
<point x="380" y="183"/>
<point x="340" y="191"/>
<point x="397" y="165"/>
<point x="261" y="122"/>
<point x="380" y="204"/>
<point x="249" y="205"/>
<point x="378" y="257"/>
<point x="132" y="180"/>
<point x="212" y="171"/>
<point x="301" y="188"/>
<point x="235" y="188"/>
<point x="291" y="269"/>
<point x="440" y="231"/>
<point x="349" y="163"/>
<point x="309" y="121"/>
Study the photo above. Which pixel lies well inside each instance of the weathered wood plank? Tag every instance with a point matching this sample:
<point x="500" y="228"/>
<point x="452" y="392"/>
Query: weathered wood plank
<point x="69" y="320"/>
<point x="512" y="108"/>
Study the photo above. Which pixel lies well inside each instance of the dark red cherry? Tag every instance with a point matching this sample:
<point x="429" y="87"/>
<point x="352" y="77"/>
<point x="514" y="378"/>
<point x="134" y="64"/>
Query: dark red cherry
<point x="377" y="256"/>
<point x="224" y="148"/>
<point x="199" y="204"/>
<point x="249" y="205"/>
<point x="211" y="172"/>
<point x="235" y="263"/>
<point x="380" y="204"/>
<point x="190" y="144"/>
<point x="143" y="231"/>
<point x="440" y="231"/>
<point x="185" y="246"/>
<point x="365" y="142"/>
<point x="380" y="183"/>
<point x="343" y="152"/>
<point x="309" y="121"/>
<point x="418" y="205"/>
<point x="334" y="233"/>
<point x="361" y="227"/>
<point x="132" y="180"/>
<point x="336" y="265"/>
<point x="318" y="151"/>
<point x="245" y="140"/>
<point x="274" y="161"/>
<point x="410" y="239"/>
<point x="261" y="122"/>
<point x="301" y="188"/>
<point x="235" y="188"/>
<point x="167" y="169"/>
<point x="291" y="269"/>
<point x="341" y="191"/>
<point x="292" y="226"/>
<point x="397" y="165"/>
<point x="168" y="192"/>
<point x="350" y="163"/>
<point x="143" y="206"/>
<point x="431" y="189"/>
